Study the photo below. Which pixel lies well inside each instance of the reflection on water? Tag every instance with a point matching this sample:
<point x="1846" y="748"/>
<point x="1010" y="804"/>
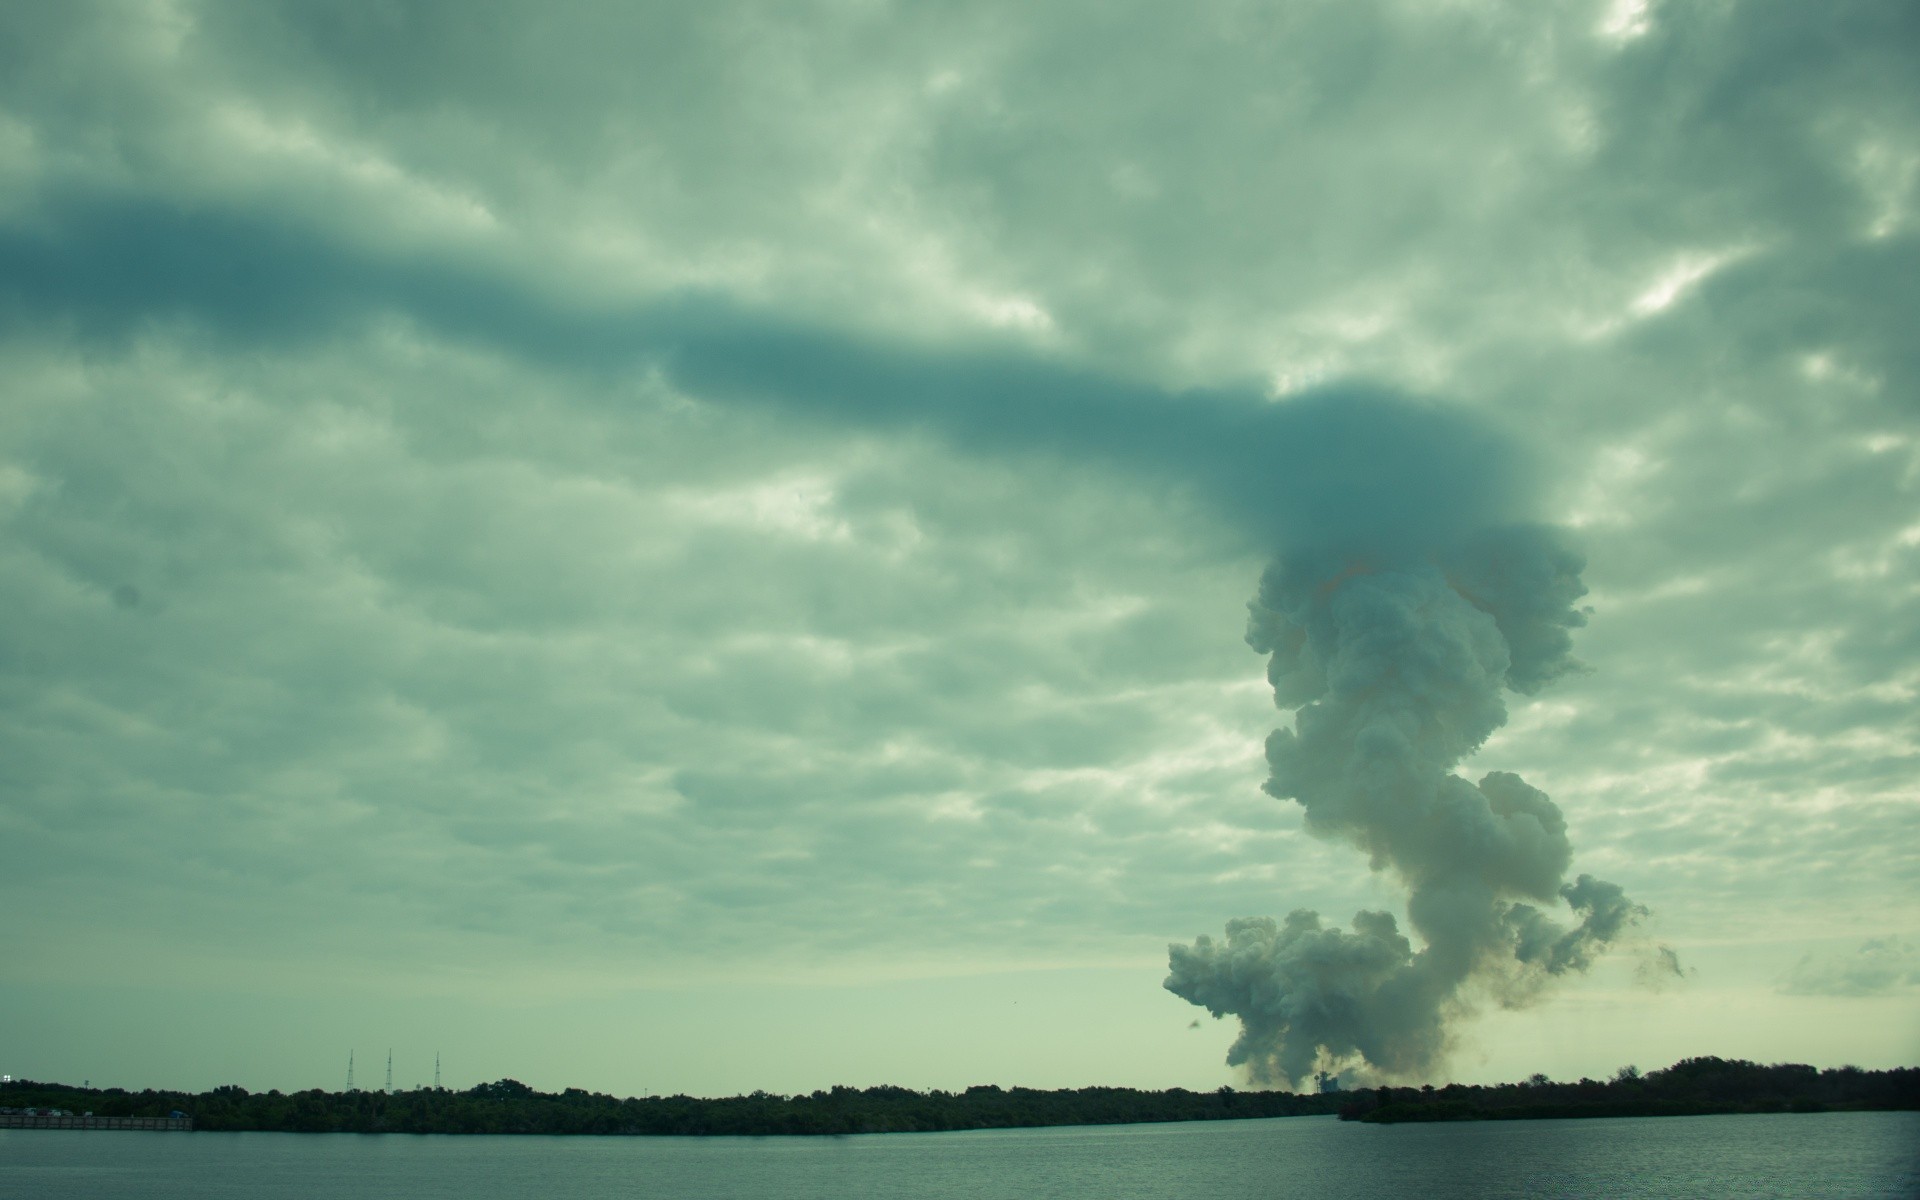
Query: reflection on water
<point x="1784" y="1155"/>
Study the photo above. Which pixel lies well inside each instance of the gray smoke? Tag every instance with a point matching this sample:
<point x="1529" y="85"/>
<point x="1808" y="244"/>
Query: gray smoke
<point x="1395" y="658"/>
<point x="1403" y="600"/>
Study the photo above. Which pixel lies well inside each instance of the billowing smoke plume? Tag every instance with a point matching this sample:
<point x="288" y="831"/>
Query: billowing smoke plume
<point x="1403" y="601"/>
<point x="1394" y="655"/>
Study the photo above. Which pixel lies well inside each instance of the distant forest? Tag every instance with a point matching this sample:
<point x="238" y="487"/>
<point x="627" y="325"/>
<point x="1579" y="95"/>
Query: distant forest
<point x="1697" y="1085"/>
<point x="509" y="1106"/>
<point x="1690" y="1087"/>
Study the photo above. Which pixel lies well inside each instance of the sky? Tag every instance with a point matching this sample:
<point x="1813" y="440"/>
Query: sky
<point x="694" y="548"/>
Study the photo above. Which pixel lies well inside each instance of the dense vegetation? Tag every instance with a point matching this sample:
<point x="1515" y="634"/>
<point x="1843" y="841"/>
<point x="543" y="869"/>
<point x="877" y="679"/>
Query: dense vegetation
<point x="1696" y="1085"/>
<point x="512" y="1107"/>
<point x="1691" y="1086"/>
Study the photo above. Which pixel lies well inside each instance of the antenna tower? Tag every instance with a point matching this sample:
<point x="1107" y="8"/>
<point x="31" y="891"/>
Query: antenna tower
<point x="389" y="1070"/>
<point x="349" y="1070"/>
<point x="436" y="1070"/>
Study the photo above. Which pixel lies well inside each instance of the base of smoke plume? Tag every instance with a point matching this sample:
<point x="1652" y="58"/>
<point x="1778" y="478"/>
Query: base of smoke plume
<point x="1364" y="1004"/>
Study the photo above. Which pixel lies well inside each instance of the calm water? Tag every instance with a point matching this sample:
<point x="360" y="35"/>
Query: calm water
<point x="1820" y="1154"/>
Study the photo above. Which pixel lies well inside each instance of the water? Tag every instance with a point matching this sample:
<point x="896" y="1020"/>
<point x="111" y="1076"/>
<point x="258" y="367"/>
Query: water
<point x="1786" y="1155"/>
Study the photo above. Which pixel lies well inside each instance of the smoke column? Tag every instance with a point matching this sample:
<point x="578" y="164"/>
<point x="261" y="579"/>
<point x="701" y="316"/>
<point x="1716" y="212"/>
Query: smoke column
<point x="1405" y="597"/>
<point x="1407" y="594"/>
<point x="1394" y="654"/>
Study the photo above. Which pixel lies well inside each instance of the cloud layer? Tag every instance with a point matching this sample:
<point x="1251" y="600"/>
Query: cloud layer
<point x="763" y="491"/>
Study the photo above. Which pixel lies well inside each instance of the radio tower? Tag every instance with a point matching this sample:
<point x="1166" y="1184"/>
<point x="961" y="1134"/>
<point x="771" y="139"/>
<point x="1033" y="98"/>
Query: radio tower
<point x="349" y="1070"/>
<point x="389" y="1071"/>
<point x="436" y="1070"/>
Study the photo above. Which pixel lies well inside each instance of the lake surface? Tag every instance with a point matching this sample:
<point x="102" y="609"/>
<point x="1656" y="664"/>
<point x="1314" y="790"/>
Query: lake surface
<point x="1314" y="1158"/>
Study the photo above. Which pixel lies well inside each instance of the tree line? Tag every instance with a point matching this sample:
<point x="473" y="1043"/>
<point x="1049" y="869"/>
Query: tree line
<point x="1695" y="1085"/>
<point x="1689" y="1087"/>
<point x="509" y="1106"/>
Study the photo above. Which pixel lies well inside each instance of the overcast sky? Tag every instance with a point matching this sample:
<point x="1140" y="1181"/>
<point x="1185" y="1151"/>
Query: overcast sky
<point x="701" y="547"/>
